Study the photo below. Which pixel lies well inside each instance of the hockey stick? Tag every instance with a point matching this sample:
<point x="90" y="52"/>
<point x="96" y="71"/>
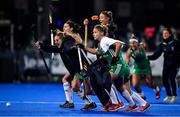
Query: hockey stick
<point x="89" y="62"/>
<point x="86" y="32"/>
<point x="52" y="40"/>
<point x="80" y="59"/>
<point x="83" y="72"/>
<point x="42" y="56"/>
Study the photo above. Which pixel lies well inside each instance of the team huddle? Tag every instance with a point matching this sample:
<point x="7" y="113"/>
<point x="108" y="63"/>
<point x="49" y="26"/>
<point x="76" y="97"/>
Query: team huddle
<point x="110" y="73"/>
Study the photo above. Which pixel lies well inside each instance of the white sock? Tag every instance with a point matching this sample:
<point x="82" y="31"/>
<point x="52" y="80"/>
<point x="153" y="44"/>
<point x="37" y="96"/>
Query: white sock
<point x="114" y="96"/>
<point x="128" y="97"/>
<point x="86" y="99"/>
<point x="138" y="98"/>
<point x="68" y="92"/>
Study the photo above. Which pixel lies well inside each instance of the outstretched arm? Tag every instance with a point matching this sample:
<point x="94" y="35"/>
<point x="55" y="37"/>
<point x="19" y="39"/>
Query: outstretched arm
<point x="156" y="54"/>
<point x="92" y="50"/>
<point x="47" y="48"/>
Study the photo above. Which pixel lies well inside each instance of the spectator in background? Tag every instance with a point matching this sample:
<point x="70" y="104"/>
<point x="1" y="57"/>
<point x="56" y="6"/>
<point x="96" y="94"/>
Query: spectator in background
<point x="171" y="49"/>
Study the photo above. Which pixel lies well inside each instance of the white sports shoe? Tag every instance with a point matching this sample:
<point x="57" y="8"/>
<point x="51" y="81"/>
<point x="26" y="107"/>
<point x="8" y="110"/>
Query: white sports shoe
<point x="167" y="99"/>
<point x="173" y="99"/>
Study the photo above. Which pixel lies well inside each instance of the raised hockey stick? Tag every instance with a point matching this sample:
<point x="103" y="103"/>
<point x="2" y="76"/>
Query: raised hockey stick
<point x="52" y="37"/>
<point x="86" y="32"/>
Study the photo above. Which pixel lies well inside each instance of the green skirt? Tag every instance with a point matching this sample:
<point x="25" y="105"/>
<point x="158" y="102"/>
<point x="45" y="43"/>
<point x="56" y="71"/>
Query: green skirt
<point x="144" y="71"/>
<point x="121" y="71"/>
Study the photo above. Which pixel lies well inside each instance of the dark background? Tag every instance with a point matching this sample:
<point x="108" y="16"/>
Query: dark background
<point x="28" y="14"/>
<point x="22" y="22"/>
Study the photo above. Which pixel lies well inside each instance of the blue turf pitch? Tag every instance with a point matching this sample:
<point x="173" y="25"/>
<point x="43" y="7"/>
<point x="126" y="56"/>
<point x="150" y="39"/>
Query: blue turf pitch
<point x="44" y="99"/>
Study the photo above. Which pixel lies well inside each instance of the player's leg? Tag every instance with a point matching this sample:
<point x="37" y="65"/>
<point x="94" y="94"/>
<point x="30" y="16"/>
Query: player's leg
<point x="87" y="88"/>
<point x="166" y="84"/>
<point x="116" y="102"/>
<point x="76" y="83"/>
<point x="174" y="85"/>
<point x="136" y="84"/>
<point x="119" y="83"/>
<point x="68" y="92"/>
<point x="151" y="84"/>
<point x="144" y="104"/>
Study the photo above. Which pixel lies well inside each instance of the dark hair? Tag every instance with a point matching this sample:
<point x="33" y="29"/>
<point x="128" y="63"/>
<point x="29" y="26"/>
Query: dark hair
<point x="108" y="14"/>
<point x="73" y="25"/>
<point x="168" y="29"/>
<point x="170" y="32"/>
<point x="101" y="28"/>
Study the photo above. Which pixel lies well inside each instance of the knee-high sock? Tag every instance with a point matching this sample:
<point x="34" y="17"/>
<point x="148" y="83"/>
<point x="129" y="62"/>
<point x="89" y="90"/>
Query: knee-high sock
<point x="138" y="98"/>
<point x="68" y="92"/>
<point x="128" y="98"/>
<point x="86" y="99"/>
<point x="114" y="96"/>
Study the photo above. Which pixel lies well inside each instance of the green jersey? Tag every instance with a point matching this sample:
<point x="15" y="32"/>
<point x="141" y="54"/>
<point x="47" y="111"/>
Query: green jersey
<point x="141" y="63"/>
<point x="120" y="68"/>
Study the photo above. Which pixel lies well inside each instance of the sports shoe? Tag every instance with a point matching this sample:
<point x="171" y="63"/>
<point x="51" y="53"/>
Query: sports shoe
<point x="89" y="106"/>
<point x="105" y="108"/>
<point x="173" y="99"/>
<point x="121" y="104"/>
<point x="144" y="108"/>
<point x="167" y="99"/>
<point x="115" y="107"/>
<point x="67" y="105"/>
<point x="130" y="108"/>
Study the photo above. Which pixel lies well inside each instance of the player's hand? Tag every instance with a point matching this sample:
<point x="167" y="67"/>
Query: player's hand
<point x="80" y="45"/>
<point x="37" y="44"/>
<point x="86" y="22"/>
